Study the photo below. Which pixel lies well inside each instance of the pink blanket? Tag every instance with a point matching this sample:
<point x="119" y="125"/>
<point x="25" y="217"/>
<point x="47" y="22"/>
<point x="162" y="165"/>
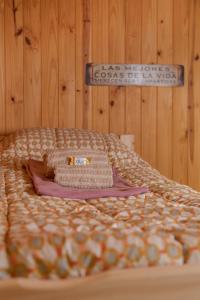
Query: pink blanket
<point x="44" y="186"/>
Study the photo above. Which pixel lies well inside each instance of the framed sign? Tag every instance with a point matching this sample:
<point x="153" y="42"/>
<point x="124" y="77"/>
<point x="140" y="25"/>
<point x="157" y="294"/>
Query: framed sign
<point x="139" y="75"/>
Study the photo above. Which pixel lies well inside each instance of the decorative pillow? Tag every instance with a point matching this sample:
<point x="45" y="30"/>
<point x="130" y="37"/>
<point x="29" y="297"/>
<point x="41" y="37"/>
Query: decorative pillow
<point x="31" y="143"/>
<point x="64" y="157"/>
<point x="80" y="139"/>
<point x="88" y="176"/>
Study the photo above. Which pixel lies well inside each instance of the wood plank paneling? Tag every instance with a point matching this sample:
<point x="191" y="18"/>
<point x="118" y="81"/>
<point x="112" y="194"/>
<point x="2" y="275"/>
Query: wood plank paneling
<point x="86" y="55"/>
<point x="180" y="95"/>
<point x="149" y="94"/>
<point x="100" y="96"/>
<point x="193" y="95"/>
<point x="117" y="55"/>
<point x="164" y="96"/>
<point x="83" y="56"/>
<point x="32" y="64"/>
<point x="67" y="63"/>
<point x="14" y="64"/>
<point x="49" y="37"/>
<point x="2" y="70"/>
<point x="133" y="56"/>
<point x="45" y="45"/>
<point x="79" y="68"/>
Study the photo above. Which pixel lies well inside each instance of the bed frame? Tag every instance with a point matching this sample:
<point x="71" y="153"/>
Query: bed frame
<point x="153" y="283"/>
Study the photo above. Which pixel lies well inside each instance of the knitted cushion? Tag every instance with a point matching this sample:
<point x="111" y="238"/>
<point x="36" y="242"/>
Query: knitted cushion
<point x="53" y="158"/>
<point x="85" y="176"/>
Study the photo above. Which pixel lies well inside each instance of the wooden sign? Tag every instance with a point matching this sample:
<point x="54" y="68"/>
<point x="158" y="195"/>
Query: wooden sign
<point x="139" y="75"/>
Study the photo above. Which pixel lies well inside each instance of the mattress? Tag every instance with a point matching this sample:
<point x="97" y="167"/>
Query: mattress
<point x="51" y="237"/>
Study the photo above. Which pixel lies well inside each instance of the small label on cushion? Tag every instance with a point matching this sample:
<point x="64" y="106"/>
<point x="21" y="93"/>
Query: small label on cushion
<point x="78" y="161"/>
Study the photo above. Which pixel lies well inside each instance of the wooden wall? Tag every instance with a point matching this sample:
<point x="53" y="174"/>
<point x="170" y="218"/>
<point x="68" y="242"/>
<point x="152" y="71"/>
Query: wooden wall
<point x="44" y="45"/>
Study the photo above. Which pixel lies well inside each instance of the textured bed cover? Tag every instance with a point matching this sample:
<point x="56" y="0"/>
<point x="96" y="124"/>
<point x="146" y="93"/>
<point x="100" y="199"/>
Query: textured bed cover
<point x="50" y="237"/>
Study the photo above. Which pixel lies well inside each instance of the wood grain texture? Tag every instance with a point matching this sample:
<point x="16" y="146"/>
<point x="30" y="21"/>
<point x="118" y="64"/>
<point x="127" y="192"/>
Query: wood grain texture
<point x="149" y="94"/>
<point x="117" y="55"/>
<point x="164" y="96"/>
<point x="14" y="64"/>
<point x="100" y="36"/>
<point x="2" y="70"/>
<point x="45" y="45"/>
<point x="133" y="56"/>
<point x="156" y="283"/>
<point x="193" y="95"/>
<point x="83" y="56"/>
<point x="180" y="95"/>
<point x="32" y="64"/>
<point x="79" y="68"/>
<point x="86" y="57"/>
<point x="49" y="37"/>
<point x="67" y="63"/>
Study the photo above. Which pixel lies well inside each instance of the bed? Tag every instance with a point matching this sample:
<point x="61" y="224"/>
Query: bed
<point x="98" y="248"/>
